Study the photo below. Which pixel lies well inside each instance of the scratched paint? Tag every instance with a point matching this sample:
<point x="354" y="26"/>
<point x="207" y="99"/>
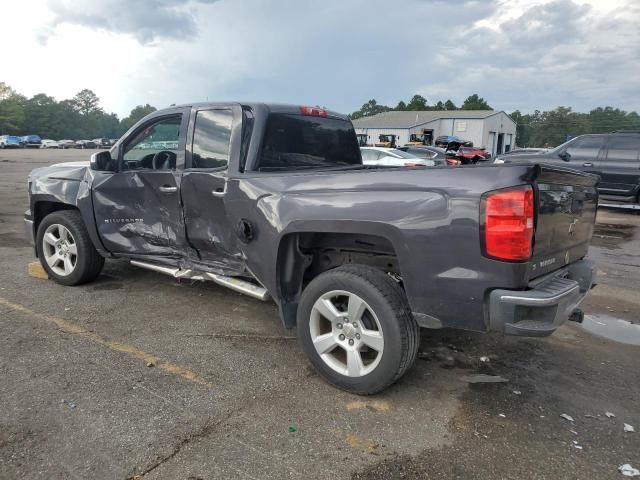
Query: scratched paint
<point x="130" y="350"/>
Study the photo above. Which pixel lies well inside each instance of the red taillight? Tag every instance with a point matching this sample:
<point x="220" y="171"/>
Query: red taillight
<point x="452" y="162"/>
<point x="508" y="224"/>
<point x="313" y="111"/>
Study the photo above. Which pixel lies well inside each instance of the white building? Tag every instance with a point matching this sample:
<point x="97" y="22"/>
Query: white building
<point x="491" y="129"/>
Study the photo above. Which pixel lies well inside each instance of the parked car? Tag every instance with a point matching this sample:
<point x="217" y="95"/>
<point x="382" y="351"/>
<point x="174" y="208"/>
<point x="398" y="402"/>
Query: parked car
<point x="67" y="144"/>
<point x="469" y="155"/>
<point x="30" y="141"/>
<point x="614" y="157"/>
<point x="85" y="144"/>
<point x="46" y="143"/>
<point x="451" y="142"/>
<point x="273" y="200"/>
<point x="436" y="154"/>
<point x="10" y="141"/>
<point x="102" y="142"/>
<point x="392" y="157"/>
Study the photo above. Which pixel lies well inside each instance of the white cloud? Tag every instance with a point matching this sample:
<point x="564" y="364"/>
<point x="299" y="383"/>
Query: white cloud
<point x="522" y="54"/>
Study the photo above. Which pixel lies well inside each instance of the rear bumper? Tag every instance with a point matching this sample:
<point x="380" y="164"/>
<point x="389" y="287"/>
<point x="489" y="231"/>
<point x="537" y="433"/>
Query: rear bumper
<point x="546" y="305"/>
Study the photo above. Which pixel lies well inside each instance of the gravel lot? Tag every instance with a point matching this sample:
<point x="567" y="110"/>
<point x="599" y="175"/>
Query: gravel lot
<point x="230" y="395"/>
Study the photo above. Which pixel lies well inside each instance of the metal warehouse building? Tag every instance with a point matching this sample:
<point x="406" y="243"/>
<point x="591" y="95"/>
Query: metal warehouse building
<point x="491" y="129"/>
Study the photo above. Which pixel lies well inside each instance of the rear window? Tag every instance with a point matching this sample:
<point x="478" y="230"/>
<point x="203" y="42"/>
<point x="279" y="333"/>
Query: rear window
<point x="297" y="142"/>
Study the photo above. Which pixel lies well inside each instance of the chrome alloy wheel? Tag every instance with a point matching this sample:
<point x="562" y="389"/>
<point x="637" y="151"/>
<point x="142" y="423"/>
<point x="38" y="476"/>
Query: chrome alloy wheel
<point x="346" y="333"/>
<point x="60" y="249"/>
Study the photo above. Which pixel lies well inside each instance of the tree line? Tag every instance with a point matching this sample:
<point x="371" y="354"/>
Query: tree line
<point x="80" y="117"/>
<point x="419" y="103"/>
<point x="537" y="129"/>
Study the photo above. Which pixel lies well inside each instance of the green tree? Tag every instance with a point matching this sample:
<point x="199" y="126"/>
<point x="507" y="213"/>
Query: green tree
<point x="12" y="114"/>
<point x="449" y="105"/>
<point x="138" y="113"/>
<point x="417" y="103"/>
<point x="86" y="102"/>
<point x="40" y="115"/>
<point x="607" y="119"/>
<point x="370" y="108"/>
<point x="401" y="106"/>
<point x="474" y="102"/>
<point x="6" y="91"/>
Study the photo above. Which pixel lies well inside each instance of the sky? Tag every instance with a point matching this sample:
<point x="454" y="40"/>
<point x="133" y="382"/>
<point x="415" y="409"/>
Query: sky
<point x="517" y="54"/>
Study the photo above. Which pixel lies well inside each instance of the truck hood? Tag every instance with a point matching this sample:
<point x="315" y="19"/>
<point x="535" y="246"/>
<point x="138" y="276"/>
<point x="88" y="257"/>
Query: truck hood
<point x="74" y="171"/>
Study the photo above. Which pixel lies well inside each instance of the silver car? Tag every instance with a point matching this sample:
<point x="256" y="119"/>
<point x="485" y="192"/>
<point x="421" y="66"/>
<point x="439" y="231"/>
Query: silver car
<point x="392" y="157"/>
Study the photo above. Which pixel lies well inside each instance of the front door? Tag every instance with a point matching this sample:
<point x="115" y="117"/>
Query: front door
<point x="137" y="208"/>
<point x="584" y="154"/>
<point x="204" y="188"/>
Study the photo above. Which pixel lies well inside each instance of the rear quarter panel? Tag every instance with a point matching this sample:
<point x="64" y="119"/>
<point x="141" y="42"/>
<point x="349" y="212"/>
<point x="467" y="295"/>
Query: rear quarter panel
<point x="431" y="217"/>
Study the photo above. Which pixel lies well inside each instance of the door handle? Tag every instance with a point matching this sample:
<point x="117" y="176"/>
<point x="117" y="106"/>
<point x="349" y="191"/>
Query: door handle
<point x="168" y="189"/>
<point x="587" y="164"/>
<point x="220" y="191"/>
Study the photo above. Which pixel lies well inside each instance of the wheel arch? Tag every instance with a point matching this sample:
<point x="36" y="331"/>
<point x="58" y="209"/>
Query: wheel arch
<point x="303" y="255"/>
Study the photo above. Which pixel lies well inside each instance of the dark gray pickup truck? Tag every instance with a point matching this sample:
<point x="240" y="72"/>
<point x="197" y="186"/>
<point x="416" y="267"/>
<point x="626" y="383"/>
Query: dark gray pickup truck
<point x="273" y="201"/>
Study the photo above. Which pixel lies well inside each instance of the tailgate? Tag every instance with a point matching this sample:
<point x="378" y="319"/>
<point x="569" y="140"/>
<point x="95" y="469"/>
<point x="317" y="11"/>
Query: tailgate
<point x="566" y="213"/>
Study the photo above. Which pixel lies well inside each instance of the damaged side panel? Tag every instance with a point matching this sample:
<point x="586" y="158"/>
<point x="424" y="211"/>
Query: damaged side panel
<point x="134" y="216"/>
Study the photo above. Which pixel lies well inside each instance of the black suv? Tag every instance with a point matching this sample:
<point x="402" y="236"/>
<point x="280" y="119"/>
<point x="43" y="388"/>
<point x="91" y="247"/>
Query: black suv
<point x="615" y="157"/>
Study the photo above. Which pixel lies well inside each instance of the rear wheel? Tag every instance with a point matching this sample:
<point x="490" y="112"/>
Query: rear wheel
<point x="355" y="325"/>
<point x="65" y="249"/>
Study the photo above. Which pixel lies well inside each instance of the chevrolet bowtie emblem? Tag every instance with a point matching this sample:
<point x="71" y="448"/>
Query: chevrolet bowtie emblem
<point x="572" y="225"/>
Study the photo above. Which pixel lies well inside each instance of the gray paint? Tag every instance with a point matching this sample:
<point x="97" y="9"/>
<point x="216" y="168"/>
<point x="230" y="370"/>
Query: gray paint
<point x="431" y="217"/>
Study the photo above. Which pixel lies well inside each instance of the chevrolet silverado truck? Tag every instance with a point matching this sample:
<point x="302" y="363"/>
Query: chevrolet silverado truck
<point x="274" y="201"/>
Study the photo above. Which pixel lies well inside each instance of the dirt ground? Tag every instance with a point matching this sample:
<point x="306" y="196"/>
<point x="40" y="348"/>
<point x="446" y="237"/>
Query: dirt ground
<point x="228" y="394"/>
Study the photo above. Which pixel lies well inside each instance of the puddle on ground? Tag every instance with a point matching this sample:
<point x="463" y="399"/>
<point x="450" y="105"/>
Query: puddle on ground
<point x="612" y="328"/>
<point x="609" y="235"/>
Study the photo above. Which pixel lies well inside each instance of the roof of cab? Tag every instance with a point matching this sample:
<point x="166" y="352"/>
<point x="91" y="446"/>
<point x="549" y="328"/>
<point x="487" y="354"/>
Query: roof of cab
<point x="290" y="109"/>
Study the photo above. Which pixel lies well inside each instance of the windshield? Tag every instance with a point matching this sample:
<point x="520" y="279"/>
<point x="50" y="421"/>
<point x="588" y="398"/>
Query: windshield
<point x="297" y="142"/>
<point x="563" y="146"/>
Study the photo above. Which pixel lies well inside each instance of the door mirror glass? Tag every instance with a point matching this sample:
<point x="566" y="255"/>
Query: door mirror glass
<point x="102" y="162"/>
<point x="565" y="156"/>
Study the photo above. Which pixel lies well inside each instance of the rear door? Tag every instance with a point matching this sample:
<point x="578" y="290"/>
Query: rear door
<point x="204" y="187"/>
<point x="620" y="166"/>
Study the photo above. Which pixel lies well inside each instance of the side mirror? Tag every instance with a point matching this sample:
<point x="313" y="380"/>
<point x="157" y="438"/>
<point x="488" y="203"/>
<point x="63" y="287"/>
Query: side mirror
<point x="566" y="156"/>
<point x="102" y="162"/>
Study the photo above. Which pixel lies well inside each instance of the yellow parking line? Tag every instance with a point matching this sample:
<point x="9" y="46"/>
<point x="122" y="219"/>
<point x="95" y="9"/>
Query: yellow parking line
<point x="130" y="350"/>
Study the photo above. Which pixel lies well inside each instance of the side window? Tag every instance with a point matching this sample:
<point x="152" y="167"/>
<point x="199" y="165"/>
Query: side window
<point x="369" y="155"/>
<point x="212" y="139"/>
<point x="624" y="148"/>
<point x="586" y="148"/>
<point x="154" y="147"/>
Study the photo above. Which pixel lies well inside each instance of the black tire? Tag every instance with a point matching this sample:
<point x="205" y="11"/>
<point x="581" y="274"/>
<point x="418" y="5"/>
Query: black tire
<point x="89" y="262"/>
<point x="384" y="297"/>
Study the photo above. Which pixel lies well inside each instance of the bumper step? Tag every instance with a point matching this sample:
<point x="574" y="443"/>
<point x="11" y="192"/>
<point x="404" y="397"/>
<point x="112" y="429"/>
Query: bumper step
<point x="530" y="328"/>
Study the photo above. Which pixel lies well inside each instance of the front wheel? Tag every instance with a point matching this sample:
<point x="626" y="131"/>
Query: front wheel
<point x="65" y="249"/>
<point x="356" y="328"/>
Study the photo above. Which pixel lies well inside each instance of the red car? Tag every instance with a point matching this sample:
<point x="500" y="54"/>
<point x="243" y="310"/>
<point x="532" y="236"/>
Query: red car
<point x="468" y="155"/>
